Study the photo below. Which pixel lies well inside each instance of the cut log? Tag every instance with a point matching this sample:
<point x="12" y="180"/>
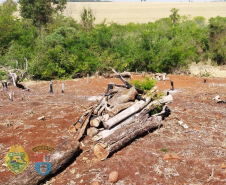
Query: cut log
<point x="119" y="108"/>
<point x="95" y="121"/>
<point x="123" y="97"/>
<point x="126" y="113"/>
<point x="141" y="116"/>
<point x="121" y="137"/>
<point x="92" y="131"/>
<point x="105" y="117"/>
<point x="98" y="107"/>
<point x="105" y="133"/>
<point x="63" y="154"/>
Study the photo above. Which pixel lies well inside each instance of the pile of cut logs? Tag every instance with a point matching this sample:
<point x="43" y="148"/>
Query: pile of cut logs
<point x="123" y="114"/>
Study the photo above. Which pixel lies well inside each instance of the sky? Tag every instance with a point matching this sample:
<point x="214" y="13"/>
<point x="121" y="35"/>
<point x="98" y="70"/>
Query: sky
<point x="151" y="0"/>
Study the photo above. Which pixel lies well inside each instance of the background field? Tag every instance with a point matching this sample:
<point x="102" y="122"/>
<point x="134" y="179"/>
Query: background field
<point x="137" y="12"/>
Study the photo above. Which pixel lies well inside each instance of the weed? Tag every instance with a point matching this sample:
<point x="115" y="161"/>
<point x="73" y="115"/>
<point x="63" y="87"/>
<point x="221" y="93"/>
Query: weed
<point x="164" y="150"/>
<point x="145" y="84"/>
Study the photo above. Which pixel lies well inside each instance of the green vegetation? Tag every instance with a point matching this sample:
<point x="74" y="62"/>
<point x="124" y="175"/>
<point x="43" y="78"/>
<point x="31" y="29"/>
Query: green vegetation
<point x="144" y="84"/>
<point x="174" y="17"/>
<point x="164" y="150"/>
<point x="87" y="18"/>
<point x="59" y="47"/>
<point x="41" y="12"/>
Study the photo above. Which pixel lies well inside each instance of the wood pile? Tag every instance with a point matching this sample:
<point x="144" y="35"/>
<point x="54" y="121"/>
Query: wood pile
<point x="123" y="114"/>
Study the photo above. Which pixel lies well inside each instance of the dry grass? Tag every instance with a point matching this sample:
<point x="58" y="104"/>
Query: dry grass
<point x="137" y="12"/>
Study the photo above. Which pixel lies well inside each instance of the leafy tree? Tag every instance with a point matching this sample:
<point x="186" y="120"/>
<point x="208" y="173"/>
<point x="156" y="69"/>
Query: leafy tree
<point x="9" y="25"/>
<point x="174" y="16"/>
<point x="217" y="28"/>
<point x="87" y="18"/>
<point x="41" y="11"/>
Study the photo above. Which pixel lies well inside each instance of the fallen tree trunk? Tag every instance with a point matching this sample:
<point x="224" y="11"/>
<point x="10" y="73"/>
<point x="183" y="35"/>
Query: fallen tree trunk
<point x="123" y="136"/>
<point x="126" y="113"/>
<point x="105" y="133"/>
<point x="63" y="154"/>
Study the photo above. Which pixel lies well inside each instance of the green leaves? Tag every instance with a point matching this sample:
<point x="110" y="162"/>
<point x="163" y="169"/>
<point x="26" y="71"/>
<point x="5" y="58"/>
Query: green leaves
<point x="59" y="47"/>
<point x="87" y="18"/>
<point x="145" y="84"/>
<point x="41" y="11"/>
<point x="174" y="16"/>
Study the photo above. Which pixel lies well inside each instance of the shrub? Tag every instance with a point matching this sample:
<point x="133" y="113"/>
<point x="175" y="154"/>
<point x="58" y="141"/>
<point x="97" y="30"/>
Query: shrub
<point x="145" y="84"/>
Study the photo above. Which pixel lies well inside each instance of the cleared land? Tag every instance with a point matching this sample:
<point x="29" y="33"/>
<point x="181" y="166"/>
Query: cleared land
<point x="200" y="149"/>
<point x="137" y="12"/>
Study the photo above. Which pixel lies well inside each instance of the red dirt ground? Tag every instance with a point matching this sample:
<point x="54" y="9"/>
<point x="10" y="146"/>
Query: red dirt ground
<point x="201" y="147"/>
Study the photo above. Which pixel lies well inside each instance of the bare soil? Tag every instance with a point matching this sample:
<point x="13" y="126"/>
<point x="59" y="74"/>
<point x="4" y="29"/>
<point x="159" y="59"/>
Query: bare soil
<point x="200" y="149"/>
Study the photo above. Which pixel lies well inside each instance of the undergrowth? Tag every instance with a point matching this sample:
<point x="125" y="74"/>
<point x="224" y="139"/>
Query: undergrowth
<point x="144" y="84"/>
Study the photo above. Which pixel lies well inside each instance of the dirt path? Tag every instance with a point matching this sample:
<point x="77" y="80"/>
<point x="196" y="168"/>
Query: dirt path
<point x="201" y="147"/>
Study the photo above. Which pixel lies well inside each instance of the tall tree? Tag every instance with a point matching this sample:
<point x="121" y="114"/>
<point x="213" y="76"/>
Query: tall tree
<point x="41" y="11"/>
<point x="8" y="25"/>
<point x="174" y="16"/>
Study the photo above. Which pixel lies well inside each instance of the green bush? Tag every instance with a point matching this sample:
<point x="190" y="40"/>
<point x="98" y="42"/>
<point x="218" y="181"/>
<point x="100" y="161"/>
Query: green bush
<point x="144" y="84"/>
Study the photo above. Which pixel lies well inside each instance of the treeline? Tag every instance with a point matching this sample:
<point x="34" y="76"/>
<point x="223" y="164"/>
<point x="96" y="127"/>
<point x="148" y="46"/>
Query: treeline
<point x="63" y="47"/>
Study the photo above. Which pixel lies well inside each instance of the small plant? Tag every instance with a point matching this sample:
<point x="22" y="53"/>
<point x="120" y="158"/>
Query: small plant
<point x="145" y="84"/>
<point x="206" y="75"/>
<point x="155" y="111"/>
<point x="164" y="150"/>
